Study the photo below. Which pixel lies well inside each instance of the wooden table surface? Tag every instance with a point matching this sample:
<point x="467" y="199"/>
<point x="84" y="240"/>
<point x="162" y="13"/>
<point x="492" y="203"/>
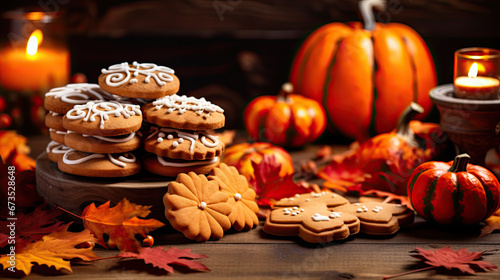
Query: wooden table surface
<point x="257" y="255"/>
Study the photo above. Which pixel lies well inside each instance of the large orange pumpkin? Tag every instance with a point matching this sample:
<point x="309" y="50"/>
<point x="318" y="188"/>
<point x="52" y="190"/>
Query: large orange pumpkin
<point x="242" y="155"/>
<point x="364" y="77"/>
<point x="288" y="120"/>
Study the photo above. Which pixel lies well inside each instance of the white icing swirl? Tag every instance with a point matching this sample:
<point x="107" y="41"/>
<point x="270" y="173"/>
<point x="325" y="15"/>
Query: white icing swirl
<point x="79" y="93"/>
<point x="183" y="135"/>
<point x="103" y="109"/>
<point x="112" y="139"/>
<point x="184" y="103"/>
<point x="56" y="148"/>
<point x="57" y="131"/>
<point x="163" y="162"/>
<point x="121" y="161"/>
<point x="119" y="74"/>
<point x="319" y="218"/>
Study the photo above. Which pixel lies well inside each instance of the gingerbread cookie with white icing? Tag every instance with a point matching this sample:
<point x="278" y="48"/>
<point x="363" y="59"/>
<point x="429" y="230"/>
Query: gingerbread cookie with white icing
<point x="102" y="144"/>
<point x="62" y="99"/>
<point x="99" y="165"/>
<point x="172" y="167"/>
<point x="181" y="144"/>
<point x="56" y="151"/>
<point x="182" y="112"/>
<point x="103" y="118"/>
<point x="57" y="131"/>
<point x="139" y="80"/>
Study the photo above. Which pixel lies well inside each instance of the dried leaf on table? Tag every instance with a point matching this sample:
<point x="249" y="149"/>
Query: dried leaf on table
<point x="161" y="258"/>
<point x="390" y="197"/>
<point x="121" y="223"/>
<point x="55" y="249"/>
<point x="492" y="224"/>
<point x="13" y="145"/>
<point x="466" y="262"/>
<point x="32" y="226"/>
<point x="268" y="184"/>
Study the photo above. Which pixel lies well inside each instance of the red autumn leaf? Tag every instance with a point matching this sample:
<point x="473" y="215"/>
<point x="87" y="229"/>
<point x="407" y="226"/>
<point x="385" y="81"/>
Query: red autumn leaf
<point x="32" y="226"/>
<point x="121" y="223"/>
<point x="268" y="184"/>
<point x="466" y="262"/>
<point x="492" y="224"/>
<point x="161" y="258"/>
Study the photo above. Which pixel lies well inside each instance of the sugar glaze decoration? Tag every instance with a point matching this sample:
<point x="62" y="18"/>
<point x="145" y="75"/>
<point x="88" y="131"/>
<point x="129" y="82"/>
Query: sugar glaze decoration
<point x="79" y="93"/>
<point x="56" y="148"/>
<point x="119" y="139"/>
<point x="102" y="109"/>
<point x="163" y="162"/>
<point x="183" y="103"/>
<point x="121" y="161"/>
<point x="122" y="73"/>
<point x="183" y="135"/>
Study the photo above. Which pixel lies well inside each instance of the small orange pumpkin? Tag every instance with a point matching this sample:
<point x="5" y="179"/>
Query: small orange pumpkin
<point x="455" y="193"/>
<point x="242" y="155"/>
<point x="364" y="77"/>
<point x="287" y="120"/>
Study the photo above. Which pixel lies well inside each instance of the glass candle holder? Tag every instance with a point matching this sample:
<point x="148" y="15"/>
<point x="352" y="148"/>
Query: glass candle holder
<point x="33" y="59"/>
<point x="477" y="73"/>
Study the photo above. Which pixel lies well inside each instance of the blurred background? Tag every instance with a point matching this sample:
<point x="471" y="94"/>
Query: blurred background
<point x="231" y="51"/>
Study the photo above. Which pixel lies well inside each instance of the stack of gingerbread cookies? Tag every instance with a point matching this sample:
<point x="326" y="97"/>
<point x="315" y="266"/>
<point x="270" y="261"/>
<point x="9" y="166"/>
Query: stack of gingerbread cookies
<point x="95" y="128"/>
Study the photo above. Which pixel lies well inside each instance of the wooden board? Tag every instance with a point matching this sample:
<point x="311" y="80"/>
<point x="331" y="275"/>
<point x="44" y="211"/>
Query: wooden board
<point x="74" y="193"/>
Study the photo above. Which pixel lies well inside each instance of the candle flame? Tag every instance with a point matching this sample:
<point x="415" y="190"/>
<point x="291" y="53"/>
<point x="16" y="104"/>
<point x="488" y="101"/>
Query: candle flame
<point x="34" y="41"/>
<point x="473" y="70"/>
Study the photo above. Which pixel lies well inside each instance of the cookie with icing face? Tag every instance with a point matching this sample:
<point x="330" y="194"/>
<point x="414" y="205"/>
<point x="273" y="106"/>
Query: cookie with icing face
<point x="139" y="80"/>
<point x="182" y="112"/>
<point x="62" y="99"/>
<point x="102" y="144"/>
<point x="172" y="167"/>
<point x="180" y="144"/>
<point x="99" y="165"/>
<point x="103" y="118"/>
<point x="56" y="151"/>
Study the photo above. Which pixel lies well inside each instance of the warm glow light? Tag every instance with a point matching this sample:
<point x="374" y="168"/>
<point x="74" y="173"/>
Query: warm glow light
<point x="34" y="41"/>
<point x="473" y="70"/>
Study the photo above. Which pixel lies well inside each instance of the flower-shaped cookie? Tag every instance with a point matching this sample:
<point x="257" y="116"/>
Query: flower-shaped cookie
<point x="196" y="207"/>
<point x="241" y="197"/>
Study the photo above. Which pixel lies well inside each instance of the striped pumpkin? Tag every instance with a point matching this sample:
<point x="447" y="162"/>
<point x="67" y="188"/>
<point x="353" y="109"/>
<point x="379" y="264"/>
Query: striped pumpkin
<point x="454" y="193"/>
<point x="364" y="76"/>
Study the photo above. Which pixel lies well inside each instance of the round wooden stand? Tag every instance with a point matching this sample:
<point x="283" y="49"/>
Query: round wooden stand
<point x="74" y="193"/>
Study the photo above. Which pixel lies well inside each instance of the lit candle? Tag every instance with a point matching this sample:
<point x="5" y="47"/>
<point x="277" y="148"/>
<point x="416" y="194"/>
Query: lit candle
<point x="474" y="87"/>
<point x="33" y="69"/>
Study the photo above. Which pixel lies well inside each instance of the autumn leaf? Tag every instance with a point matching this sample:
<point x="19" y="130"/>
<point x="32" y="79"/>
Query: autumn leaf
<point x="14" y="144"/>
<point x="389" y="197"/>
<point x="53" y="250"/>
<point x="32" y="226"/>
<point x="466" y="262"/>
<point x="121" y="223"/>
<point x="161" y="258"/>
<point x="492" y="224"/>
<point x="269" y="186"/>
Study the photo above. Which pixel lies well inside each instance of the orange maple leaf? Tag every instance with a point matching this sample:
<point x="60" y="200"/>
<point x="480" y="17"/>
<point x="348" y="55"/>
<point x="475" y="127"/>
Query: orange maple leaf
<point x="55" y="249"/>
<point x="492" y="224"/>
<point x="13" y="143"/>
<point x="120" y="223"/>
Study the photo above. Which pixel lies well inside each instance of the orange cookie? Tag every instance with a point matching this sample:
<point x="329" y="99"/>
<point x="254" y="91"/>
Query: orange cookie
<point x="99" y="165"/>
<point x="309" y="217"/>
<point x="241" y="198"/>
<point x="172" y="167"/>
<point x="57" y="135"/>
<point x="379" y="218"/>
<point x="178" y="144"/>
<point x="62" y="99"/>
<point x="56" y="151"/>
<point x="103" y="118"/>
<point x="139" y="80"/>
<point x="54" y="120"/>
<point x="102" y="144"/>
<point x="182" y="112"/>
<point x="196" y="207"/>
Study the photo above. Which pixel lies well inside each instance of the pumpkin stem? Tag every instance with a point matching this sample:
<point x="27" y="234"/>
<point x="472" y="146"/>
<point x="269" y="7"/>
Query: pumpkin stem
<point x="366" y="9"/>
<point x="286" y="90"/>
<point x="403" y="128"/>
<point x="460" y="163"/>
